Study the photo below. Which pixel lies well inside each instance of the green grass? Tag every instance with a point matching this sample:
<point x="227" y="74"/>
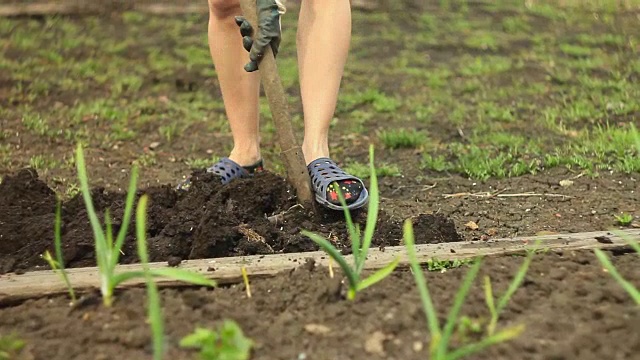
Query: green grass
<point x="557" y="76"/>
<point x="364" y="171"/>
<point x="402" y="138"/>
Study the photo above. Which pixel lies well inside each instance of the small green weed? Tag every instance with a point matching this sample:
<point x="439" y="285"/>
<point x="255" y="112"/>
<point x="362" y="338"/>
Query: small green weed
<point x="10" y="346"/>
<point x="624" y="219"/>
<point x="356" y="284"/>
<point x="444" y="265"/>
<point x="226" y="343"/>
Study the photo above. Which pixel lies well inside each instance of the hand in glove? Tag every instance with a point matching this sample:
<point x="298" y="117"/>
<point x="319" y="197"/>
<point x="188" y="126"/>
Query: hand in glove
<point x="269" y="32"/>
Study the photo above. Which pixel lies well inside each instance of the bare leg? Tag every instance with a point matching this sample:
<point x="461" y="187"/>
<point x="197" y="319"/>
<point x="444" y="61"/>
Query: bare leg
<point x="240" y="90"/>
<point x="323" y="40"/>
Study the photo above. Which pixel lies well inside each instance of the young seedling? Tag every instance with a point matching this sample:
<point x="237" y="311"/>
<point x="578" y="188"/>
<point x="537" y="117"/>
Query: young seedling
<point x="57" y="264"/>
<point x="441" y="336"/>
<point x="228" y="343"/>
<point x="154" y="310"/>
<point x="359" y="245"/>
<point x="108" y="251"/>
<point x="504" y="300"/>
<point x="606" y="263"/>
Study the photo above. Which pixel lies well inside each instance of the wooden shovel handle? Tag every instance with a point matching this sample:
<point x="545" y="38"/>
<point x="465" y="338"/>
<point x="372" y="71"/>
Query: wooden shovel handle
<point x="295" y="166"/>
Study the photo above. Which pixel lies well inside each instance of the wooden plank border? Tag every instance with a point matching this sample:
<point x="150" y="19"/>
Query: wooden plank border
<point x="89" y="8"/>
<point x="228" y="270"/>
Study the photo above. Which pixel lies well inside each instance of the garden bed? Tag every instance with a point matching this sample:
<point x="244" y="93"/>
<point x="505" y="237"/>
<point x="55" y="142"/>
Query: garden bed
<point x="570" y="307"/>
<point x="489" y="121"/>
<point x="566" y="302"/>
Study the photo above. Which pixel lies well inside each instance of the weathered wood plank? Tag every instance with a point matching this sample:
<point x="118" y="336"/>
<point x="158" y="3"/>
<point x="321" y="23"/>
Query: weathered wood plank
<point x="91" y="7"/>
<point x="227" y="270"/>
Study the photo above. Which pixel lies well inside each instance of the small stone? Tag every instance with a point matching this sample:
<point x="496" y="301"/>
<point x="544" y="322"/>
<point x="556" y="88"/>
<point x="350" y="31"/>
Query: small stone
<point x="492" y="232"/>
<point x="375" y="343"/>
<point x="154" y="145"/>
<point x="317" y="329"/>
<point x="418" y="346"/>
<point x="566" y="183"/>
<point x="471" y="225"/>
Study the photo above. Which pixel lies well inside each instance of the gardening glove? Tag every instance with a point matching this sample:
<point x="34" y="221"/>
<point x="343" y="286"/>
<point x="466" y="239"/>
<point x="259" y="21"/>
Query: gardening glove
<point x="269" y="31"/>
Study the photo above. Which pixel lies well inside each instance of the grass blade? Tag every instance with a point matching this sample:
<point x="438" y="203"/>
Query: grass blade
<point x="98" y="233"/>
<point x="109" y="237"/>
<point x="636" y="136"/>
<point x="378" y="275"/>
<point x="126" y="276"/>
<point x="517" y="281"/>
<point x="459" y="299"/>
<point x="427" y="304"/>
<point x="372" y="212"/>
<point x="175" y="274"/>
<point x="488" y="298"/>
<point x="502" y="336"/>
<point x="126" y="219"/>
<point x="354" y="234"/>
<point x="57" y="243"/>
<point x="629" y="287"/>
<point x="335" y="254"/>
<point x="155" y="311"/>
<point x="183" y="275"/>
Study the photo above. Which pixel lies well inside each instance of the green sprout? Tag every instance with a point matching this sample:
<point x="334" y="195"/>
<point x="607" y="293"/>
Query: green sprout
<point x="504" y="300"/>
<point x="228" y="343"/>
<point x="606" y="263"/>
<point x="108" y="251"/>
<point x="353" y="274"/>
<point x="441" y="336"/>
<point x="154" y="310"/>
<point x="57" y="264"/>
<point x="624" y="219"/>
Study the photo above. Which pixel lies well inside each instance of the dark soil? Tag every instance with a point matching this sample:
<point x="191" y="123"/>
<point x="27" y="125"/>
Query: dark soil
<point x="571" y="310"/>
<point x="209" y="220"/>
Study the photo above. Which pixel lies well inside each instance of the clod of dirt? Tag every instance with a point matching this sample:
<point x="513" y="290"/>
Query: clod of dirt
<point x="434" y="229"/>
<point x="174" y="261"/>
<point x="604" y="240"/>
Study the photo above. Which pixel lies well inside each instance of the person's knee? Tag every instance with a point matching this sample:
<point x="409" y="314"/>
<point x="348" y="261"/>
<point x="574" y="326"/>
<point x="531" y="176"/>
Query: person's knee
<point x="222" y="9"/>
